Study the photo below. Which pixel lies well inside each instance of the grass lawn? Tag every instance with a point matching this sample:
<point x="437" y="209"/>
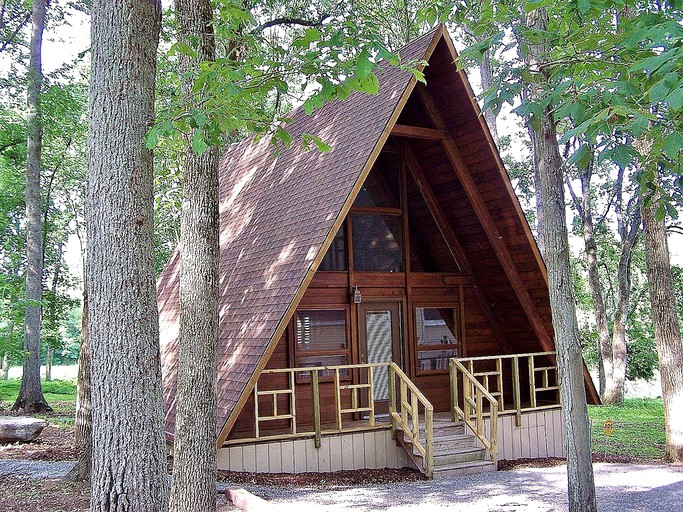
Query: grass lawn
<point x="638" y="432"/>
<point x="54" y="391"/>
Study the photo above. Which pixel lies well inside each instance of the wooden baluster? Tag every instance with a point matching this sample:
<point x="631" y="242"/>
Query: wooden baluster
<point x="371" y="396"/>
<point x="516" y="391"/>
<point x="315" y="390"/>
<point x="292" y="387"/>
<point x="256" y="419"/>
<point x="532" y="382"/>
<point x="480" y="423"/>
<point x="499" y="369"/>
<point x="415" y="415"/>
<point x="454" y="389"/>
<point x="337" y="399"/>
<point x="404" y="401"/>
<point x="466" y="399"/>
<point x="392" y="399"/>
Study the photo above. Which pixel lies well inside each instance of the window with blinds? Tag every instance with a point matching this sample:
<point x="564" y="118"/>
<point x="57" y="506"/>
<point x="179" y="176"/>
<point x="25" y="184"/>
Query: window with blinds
<point x="321" y="338"/>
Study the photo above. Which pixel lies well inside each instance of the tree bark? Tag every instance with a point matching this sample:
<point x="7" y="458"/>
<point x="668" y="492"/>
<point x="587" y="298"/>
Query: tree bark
<point x="667" y="329"/>
<point x="83" y="435"/>
<point x="486" y="75"/>
<point x="601" y="320"/>
<point x="5" y="366"/>
<point x="194" y="453"/>
<point x="128" y="450"/>
<point x="582" y="495"/>
<point x="30" y="397"/>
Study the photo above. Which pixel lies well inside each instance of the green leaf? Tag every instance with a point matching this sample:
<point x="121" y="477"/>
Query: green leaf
<point x="535" y="4"/>
<point x="581" y="157"/>
<point x="364" y="65"/>
<point x="675" y="98"/>
<point x="673" y="143"/>
<point x="283" y="136"/>
<point x="639" y="125"/>
<point x="578" y="113"/>
<point x="198" y="143"/>
<point x="584" y="6"/>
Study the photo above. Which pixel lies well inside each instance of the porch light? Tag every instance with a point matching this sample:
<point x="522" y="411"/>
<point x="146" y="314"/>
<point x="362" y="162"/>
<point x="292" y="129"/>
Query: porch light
<point x="356" y="296"/>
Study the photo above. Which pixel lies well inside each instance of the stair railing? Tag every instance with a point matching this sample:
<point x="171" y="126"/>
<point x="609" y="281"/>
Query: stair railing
<point x="405" y="410"/>
<point x="472" y="411"/>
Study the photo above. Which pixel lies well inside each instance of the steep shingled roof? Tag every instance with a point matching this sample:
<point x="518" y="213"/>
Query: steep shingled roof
<point x="277" y="210"/>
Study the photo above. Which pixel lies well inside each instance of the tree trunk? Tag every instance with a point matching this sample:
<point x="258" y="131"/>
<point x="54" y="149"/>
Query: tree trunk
<point x="667" y="330"/>
<point x="83" y="435"/>
<point x="194" y="453"/>
<point x="567" y="341"/>
<point x="48" y="363"/>
<point x="53" y="308"/>
<point x="128" y="450"/>
<point x="5" y="366"/>
<point x="30" y="397"/>
<point x="601" y="321"/>
<point x="486" y="74"/>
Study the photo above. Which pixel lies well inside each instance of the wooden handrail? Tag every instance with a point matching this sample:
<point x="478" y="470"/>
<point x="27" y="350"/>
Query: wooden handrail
<point x="405" y="415"/>
<point x="542" y="380"/>
<point x="475" y="404"/>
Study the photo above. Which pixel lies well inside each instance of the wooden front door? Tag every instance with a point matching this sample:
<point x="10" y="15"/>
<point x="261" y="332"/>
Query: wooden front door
<point x="379" y="325"/>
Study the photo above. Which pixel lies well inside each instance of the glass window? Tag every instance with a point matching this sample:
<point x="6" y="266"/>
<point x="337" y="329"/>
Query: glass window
<point x="321" y="340"/>
<point x="436" y="335"/>
<point x="335" y="257"/>
<point x="321" y="330"/>
<point x="382" y="186"/>
<point x="377" y="242"/>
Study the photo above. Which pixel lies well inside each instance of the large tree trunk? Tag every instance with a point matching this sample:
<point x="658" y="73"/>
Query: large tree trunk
<point x="30" y="397"/>
<point x="194" y="453"/>
<point x="667" y="330"/>
<point x="567" y="341"/>
<point x="128" y="450"/>
<point x="83" y="435"/>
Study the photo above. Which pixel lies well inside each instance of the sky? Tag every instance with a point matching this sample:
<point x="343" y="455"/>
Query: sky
<point x="65" y="42"/>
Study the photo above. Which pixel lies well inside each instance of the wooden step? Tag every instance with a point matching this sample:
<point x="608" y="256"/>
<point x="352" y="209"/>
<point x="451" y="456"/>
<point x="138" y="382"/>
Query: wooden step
<point x="464" y="468"/>
<point x="448" y="442"/>
<point x="459" y="455"/>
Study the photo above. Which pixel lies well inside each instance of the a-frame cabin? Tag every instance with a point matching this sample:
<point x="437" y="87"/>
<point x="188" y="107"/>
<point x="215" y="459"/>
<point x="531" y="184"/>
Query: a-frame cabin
<point x="383" y="303"/>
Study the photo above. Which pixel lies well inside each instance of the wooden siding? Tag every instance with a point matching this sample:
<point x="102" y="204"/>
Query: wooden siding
<point x="363" y="450"/>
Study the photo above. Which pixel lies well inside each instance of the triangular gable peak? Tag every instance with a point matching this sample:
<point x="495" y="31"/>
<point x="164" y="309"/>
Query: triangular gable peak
<point x="280" y="213"/>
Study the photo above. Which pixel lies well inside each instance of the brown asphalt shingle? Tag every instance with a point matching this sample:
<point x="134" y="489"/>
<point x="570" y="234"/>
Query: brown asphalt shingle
<point x="276" y="212"/>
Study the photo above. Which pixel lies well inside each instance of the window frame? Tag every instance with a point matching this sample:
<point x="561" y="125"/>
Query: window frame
<point x="457" y="346"/>
<point x="298" y="353"/>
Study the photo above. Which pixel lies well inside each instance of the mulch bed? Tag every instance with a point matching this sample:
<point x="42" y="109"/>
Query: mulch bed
<point x="55" y="443"/>
<point x="323" y="480"/>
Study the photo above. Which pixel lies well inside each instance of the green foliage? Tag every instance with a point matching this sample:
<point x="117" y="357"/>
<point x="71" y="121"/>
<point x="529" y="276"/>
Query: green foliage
<point x="639" y="429"/>
<point x="611" y="76"/>
<point x="55" y="390"/>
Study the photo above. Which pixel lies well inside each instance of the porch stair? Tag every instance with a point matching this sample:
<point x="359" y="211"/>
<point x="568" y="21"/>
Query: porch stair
<point x="455" y="450"/>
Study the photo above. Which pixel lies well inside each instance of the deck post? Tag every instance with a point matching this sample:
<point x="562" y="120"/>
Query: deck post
<point x="429" y="441"/>
<point x="315" y="390"/>
<point x="392" y="399"/>
<point x="515" y="391"/>
<point x="480" y="422"/>
<point x="256" y="428"/>
<point x="337" y="399"/>
<point x="532" y="382"/>
<point x="493" y="433"/>
<point x="454" y="389"/>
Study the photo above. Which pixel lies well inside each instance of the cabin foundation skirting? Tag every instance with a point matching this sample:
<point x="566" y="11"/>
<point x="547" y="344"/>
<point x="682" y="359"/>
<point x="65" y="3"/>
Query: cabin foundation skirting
<point x="362" y="450"/>
<point x="540" y="435"/>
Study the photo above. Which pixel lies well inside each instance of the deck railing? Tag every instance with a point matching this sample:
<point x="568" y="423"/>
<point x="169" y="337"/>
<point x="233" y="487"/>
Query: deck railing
<point x="505" y="377"/>
<point x="353" y="394"/>
<point x="413" y="414"/>
<point x="474" y="394"/>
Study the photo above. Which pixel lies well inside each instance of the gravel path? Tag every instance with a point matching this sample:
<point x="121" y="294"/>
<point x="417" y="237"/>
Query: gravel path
<point x="620" y="487"/>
